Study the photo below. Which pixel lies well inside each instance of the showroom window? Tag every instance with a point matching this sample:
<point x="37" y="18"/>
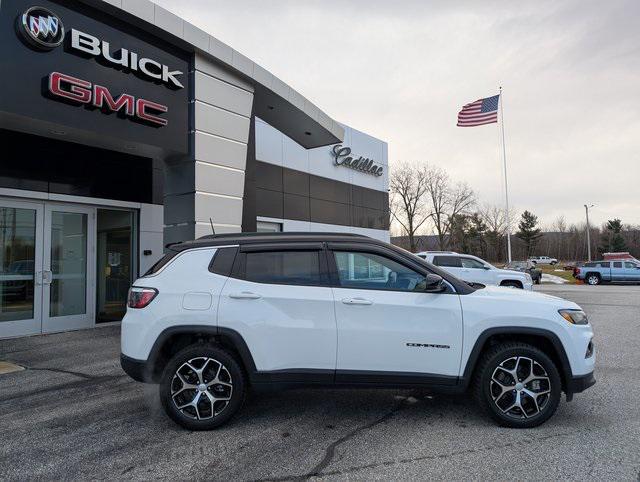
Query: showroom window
<point x="268" y="227"/>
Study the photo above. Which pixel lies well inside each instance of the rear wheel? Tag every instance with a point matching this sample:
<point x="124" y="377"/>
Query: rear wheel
<point x="518" y="385"/>
<point x="593" y="279"/>
<point x="202" y="387"/>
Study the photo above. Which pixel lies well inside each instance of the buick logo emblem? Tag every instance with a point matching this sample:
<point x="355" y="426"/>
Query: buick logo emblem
<point x="41" y="28"/>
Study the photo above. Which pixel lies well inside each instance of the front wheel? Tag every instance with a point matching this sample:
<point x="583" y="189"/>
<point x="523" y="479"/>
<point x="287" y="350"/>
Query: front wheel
<point x="518" y="385"/>
<point x="202" y="387"/>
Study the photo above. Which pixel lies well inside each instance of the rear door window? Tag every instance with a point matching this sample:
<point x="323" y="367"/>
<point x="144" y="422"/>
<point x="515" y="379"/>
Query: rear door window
<point x="283" y="267"/>
<point x="447" y="261"/>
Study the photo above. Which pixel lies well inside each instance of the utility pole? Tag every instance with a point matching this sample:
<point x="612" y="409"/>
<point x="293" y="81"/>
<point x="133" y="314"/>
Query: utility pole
<point x="586" y="210"/>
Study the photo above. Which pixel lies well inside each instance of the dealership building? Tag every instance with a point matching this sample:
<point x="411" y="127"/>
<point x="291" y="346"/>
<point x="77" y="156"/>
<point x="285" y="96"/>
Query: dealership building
<point x="124" y="128"/>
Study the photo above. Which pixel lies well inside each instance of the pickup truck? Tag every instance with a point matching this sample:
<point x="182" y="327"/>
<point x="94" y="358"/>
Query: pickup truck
<point x="543" y="260"/>
<point x="620" y="271"/>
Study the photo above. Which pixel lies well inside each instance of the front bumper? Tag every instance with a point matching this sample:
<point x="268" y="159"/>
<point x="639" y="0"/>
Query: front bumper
<point x="136" y="369"/>
<point x="579" y="384"/>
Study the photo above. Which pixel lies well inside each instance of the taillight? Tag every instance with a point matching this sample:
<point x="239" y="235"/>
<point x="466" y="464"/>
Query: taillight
<point x="141" y="297"/>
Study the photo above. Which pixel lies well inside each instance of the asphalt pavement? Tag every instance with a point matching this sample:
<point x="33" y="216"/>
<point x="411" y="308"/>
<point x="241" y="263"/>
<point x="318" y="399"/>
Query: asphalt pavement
<point x="73" y="414"/>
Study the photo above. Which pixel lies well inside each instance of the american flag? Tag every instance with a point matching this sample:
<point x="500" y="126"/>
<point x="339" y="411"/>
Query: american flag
<point x="480" y="112"/>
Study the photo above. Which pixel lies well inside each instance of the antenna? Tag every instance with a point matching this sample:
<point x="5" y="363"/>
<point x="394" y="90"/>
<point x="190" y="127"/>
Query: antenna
<point x="213" y="231"/>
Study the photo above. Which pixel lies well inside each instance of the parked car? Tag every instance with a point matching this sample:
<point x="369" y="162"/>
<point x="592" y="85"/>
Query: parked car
<point x="597" y="272"/>
<point x="475" y="270"/>
<point x="526" y="267"/>
<point x="543" y="260"/>
<point x="224" y="313"/>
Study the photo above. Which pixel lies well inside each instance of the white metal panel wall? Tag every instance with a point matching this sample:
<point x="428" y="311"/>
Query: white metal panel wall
<point x="273" y="147"/>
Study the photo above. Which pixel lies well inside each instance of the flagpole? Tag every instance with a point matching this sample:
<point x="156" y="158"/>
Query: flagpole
<point x="506" y="185"/>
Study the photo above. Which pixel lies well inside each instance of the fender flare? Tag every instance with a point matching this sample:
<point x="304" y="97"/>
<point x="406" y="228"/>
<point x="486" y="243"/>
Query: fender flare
<point x="225" y="335"/>
<point x="564" y="368"/>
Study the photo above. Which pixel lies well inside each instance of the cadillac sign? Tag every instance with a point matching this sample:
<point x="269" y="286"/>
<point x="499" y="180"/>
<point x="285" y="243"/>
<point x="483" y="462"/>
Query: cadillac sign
<point x="342" y="157"/>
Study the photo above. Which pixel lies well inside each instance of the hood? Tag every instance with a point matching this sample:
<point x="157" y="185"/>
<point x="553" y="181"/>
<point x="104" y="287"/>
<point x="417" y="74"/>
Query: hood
<point x="511" y="271"/>
<point x="513" y="294"/>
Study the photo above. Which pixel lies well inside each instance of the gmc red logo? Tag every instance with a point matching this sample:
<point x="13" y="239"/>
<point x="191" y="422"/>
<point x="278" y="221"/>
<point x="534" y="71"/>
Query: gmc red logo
<point x="84" y="92"/>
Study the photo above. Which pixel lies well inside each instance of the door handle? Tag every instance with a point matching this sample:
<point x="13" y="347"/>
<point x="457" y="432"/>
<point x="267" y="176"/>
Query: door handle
<point x="245" y="295"/>
<point x="356" y="301"/>
<point x="47" y="277"/>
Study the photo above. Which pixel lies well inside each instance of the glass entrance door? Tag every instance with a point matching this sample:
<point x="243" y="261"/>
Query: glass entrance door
<point x="68" y="278"/>
<point x="47" y="267"/>
<point x="21" y="228"/>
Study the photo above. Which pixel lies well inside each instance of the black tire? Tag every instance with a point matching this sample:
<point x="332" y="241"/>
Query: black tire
<point x="592" y="279"/>
<point x="216" y="364"/>
<point x="511" y="284"/>
<point x="486" y="387"/>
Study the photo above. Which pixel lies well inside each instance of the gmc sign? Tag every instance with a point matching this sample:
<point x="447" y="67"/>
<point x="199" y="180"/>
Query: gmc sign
<point x="84" y="92"/>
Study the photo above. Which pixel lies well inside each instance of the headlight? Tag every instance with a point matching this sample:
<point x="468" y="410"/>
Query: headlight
<point x="575" y="317"/>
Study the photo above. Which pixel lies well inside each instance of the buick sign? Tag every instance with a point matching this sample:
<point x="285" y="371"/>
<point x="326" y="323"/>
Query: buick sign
<point x="41" y="28"/>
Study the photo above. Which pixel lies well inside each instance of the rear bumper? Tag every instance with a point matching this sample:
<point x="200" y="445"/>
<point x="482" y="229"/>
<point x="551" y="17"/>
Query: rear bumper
<point x="580" y="384"/>
<point x="136" y="369"/>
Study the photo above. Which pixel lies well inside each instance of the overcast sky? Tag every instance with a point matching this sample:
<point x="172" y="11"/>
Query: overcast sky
<point x="401" y="70"/>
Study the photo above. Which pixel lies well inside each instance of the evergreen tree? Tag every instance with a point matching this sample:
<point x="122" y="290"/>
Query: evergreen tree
<point x="528" y="232"/>
<point x="611" y="239"/>
<point x="476" y="231"/>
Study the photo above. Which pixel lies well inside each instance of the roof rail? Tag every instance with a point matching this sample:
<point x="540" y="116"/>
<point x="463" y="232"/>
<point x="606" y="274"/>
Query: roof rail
<point x="279" y="233"/>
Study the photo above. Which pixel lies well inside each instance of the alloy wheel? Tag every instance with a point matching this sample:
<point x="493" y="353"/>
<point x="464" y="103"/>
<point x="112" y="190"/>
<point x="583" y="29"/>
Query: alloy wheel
<point x="520" y="387"/>
<point x="201" y="388"/>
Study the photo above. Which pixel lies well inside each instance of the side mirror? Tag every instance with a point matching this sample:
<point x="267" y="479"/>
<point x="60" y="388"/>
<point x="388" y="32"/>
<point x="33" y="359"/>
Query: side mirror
<point x="486" y="267"/>
<point x="433" y="283"/>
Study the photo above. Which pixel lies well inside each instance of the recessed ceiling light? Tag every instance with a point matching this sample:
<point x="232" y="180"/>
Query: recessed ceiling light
<point x="130" y="147"/>
<point x="57" y="132"/>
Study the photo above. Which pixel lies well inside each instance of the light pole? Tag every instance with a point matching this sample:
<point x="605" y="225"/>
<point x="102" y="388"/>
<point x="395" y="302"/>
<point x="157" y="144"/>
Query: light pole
<point x="586" y="210"/>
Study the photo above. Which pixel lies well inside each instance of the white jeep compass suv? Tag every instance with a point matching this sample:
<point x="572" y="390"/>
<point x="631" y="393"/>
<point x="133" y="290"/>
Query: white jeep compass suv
<point x="224" y="313"/>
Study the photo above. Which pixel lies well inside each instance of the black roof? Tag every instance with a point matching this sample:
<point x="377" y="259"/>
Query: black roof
<point x="249" y="238"/>
<point x="293" y="237"/>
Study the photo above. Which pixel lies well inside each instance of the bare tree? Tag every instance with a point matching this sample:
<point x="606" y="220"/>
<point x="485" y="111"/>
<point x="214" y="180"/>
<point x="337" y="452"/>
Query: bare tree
<point x="448" y="202"/>
<point x="496" y="222"/>
<point x="408" y="187"/>
<point x="438" y="191"/>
